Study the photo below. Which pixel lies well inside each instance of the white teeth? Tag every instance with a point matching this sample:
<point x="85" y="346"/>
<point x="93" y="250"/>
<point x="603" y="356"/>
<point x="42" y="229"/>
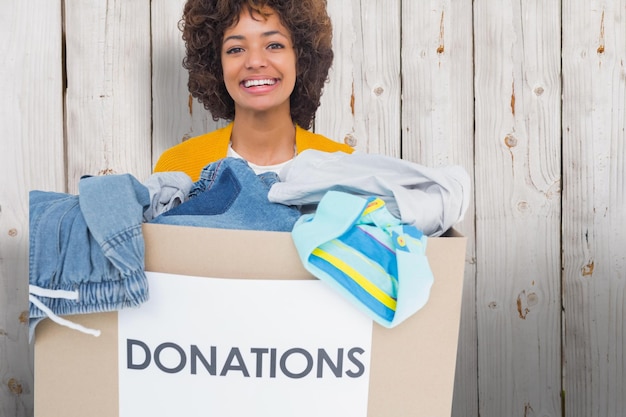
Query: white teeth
<point x="254" y="83"/>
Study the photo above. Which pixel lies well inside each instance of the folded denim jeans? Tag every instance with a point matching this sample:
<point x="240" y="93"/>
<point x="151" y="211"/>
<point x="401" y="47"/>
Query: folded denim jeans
<point x="229" y="195"/>
<point x="86" y="251"/>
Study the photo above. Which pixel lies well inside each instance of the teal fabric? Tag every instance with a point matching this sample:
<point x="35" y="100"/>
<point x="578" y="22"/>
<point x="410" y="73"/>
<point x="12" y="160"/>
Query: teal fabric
<point x="369" y="256"/>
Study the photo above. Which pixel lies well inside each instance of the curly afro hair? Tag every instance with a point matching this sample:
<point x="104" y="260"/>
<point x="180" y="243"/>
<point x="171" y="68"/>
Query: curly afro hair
<point x="203" y="25"/>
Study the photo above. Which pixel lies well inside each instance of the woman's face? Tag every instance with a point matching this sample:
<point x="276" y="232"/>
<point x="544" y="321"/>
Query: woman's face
<point x="259" y="63"/>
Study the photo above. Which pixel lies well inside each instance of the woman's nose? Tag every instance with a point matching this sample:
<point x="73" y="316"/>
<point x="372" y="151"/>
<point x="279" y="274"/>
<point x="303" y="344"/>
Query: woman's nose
<point x="256" y="59"/>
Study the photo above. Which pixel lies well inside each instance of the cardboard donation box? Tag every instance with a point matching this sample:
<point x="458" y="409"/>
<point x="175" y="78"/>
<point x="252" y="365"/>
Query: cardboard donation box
<point x="236" y="326"/>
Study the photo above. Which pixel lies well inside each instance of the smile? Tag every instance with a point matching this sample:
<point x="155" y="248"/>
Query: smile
<point x="256" y="83"/>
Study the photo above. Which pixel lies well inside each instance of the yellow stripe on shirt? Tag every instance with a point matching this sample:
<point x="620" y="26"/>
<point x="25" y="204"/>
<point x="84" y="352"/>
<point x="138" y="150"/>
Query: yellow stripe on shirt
<point x="373" y="290"/>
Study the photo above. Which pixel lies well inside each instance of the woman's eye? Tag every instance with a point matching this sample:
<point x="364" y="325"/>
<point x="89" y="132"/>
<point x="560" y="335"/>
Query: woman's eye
<point x="275" y="45"/>
<point x="233" y="50"/>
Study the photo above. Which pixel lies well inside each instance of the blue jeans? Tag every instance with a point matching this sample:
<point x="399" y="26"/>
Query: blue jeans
<point x="86" y="251"/>
<point x="229" y="195"/>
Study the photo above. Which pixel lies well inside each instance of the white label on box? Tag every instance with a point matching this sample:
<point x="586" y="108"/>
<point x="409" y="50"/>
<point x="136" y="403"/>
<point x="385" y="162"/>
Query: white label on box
<point x="234" y="347"/>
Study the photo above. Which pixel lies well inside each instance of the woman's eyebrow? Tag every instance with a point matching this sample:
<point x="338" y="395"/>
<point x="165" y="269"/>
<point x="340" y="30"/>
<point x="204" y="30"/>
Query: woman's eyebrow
<point x="263" y="35"/>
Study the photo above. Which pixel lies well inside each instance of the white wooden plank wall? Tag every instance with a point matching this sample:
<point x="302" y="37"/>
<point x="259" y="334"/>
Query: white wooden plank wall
<point x="175" y="116"/>
<point x="517" y="164"/>
<point x="530" y="97"/>
<point x="108" y="92"/>
<point x="361" y="104"/>
<point x="594" y="207"/>
<point x="31" y="152"/>
<point x="437" y="129"/>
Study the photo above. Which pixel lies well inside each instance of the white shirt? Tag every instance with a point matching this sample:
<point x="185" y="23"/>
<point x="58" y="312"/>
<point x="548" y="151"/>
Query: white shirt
<point x="432" y="199"/>
<point x="259" y="169"/>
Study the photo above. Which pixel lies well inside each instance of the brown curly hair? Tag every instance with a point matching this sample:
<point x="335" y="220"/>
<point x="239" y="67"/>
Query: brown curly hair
<point x="203" y="25"/>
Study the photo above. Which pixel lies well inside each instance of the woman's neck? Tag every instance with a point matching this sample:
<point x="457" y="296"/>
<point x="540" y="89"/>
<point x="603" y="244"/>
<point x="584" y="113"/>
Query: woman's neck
<point x="264" y="141"/>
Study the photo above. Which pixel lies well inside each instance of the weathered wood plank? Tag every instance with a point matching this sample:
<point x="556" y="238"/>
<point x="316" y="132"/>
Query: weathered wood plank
<point x="517" y="168"/>
<point x="594" y="207"/>
<point x="31" y="148"/>
<point x="437" y="129"/>
<point x="176" y="116"/>
<point x="361" y="103"/>
<point x="108" y="98"/>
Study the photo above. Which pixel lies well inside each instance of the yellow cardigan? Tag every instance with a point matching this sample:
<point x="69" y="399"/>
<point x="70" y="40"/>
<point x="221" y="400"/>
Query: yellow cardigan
<point x="192" y="155"/>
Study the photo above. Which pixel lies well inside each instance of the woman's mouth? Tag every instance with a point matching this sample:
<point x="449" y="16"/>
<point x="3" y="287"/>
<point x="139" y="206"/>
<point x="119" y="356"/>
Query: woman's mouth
<point x="257" y="83"/>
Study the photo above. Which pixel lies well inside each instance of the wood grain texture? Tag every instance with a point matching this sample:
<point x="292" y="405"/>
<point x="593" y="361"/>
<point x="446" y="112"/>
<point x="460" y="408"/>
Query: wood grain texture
<point x="517" y="168"/>
<point x="31" y="149"/>
<point x="176" y="116"/>
<point x="437" y="130"/>
<point x="361" y="103"/>
<point x="108" y="97"/>
<point x="594" y="207"/>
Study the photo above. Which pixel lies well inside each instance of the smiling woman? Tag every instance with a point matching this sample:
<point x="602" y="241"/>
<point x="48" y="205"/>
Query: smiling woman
<point x="261" y="65"/>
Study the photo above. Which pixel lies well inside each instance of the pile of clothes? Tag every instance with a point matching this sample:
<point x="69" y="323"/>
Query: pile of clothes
<point x="360" y="222"/>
